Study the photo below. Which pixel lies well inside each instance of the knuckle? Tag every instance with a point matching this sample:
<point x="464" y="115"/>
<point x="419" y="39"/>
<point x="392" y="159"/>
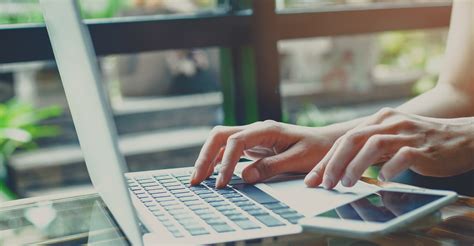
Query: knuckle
<point x="265" y="169"/>
<point x="406" y="124"/>
<point x="376" y="142"/>
<point x="385" y="112"/>
<point x="271" y="125"/>
<point x="353" y="137"/>
<point x="407" y="153"/>
<point x="217" y="130"/>
<point x="234" y="140"/>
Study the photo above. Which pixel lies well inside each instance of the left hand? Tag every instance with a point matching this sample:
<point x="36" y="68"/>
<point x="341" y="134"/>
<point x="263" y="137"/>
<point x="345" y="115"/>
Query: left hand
<point x="428" y="146"/>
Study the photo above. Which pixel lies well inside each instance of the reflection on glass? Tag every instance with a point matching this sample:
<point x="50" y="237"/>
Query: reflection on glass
<point x="381" y="206"/>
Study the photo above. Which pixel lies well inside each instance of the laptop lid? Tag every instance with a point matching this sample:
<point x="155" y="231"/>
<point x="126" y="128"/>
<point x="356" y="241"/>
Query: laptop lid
<point x="91" y="112"/>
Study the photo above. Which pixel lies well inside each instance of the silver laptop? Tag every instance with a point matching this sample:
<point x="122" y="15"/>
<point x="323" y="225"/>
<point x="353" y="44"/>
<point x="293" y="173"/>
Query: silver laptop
<point x="161" y="200"/>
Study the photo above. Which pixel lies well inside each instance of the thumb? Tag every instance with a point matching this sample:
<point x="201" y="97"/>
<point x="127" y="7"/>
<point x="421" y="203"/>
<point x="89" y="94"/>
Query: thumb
<point x="289" y="161"/>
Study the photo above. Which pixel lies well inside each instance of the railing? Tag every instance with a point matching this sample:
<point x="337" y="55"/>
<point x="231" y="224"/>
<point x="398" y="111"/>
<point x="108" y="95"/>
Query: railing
<point x="248" y="41"/>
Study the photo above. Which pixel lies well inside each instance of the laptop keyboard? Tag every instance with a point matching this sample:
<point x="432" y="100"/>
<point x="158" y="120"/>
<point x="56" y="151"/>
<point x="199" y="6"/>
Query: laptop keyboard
<point x="202" y="209"/>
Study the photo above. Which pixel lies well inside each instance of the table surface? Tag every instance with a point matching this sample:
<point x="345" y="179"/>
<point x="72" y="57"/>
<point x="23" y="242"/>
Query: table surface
<point x="83" y="218"/>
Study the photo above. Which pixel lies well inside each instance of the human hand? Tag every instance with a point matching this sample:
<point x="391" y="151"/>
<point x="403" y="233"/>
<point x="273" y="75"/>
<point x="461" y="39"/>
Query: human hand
<point x="428" y="146"/>
<point x="276" y="147"/>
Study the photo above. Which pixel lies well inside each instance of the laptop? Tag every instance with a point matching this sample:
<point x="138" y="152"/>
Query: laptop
<point x="158" y="206"/>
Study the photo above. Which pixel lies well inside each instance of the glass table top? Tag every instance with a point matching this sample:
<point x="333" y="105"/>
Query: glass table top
<point x="84" y="219"/>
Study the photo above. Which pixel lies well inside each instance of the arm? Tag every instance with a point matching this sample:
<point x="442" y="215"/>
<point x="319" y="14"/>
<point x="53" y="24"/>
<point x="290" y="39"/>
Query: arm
<point x="414" y="136"/>
<point x="453" y="95"/>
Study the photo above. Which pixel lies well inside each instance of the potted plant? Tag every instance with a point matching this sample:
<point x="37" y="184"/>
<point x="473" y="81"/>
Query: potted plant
<point x="20" y="125"/>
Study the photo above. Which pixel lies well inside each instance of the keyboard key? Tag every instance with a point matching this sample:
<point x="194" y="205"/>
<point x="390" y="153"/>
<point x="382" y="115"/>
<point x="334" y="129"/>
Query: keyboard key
<point x="169" y="202"/>
<point x="224" y="208"/>
<point x="198" y="206"/>
<point x="198" y="187"/>
<point x="200" y="191"/>
<point x="249" y="207"/>
<point x="176" y="188"/>
<point x="146" y="200"/>
<point x="246" y="224"/>
<point x="150" y="185"/>
<point x="157" y="191"/>
<point x="230" y="212"/>
<point x="222" y="228"/>
<point x="168" y="224"/>
<point x="174" y="208"/>
<point x="154" y="208"/>
<point x="155" y="188"/>
<point x="292" y="218"/>
<point x="183" y="217"/>
<point x="284" y="211"/>
<point x="269" y="220"/>
<point x="256" y="212"/>
<point x="149" y="204"/>
<point x="198" y="231"/>
<point x="218" y="203"/>
<point x="192" y="203"/>
<point x="159" y="195"/>
<point x="207" y="195"/>
<point x="140" y="196"/>
<point x="180" y="189"/>
<point x="215" y="221"/>
<point x="202" y="211"/>
<point x="275" y="205"/>
<point x="162" y="218"/>
<point x="238" y="199"/>
<point x="167" y="181"/>
<point x="146" y="181"/>
<point x="255" y="193"/>
<point x="231" y="195"/>
<point x="192" y="198"/>
<point x="243" y="204"/>
<point x="208" y="216"/>
<point x="236" y="216"/>
<point x="213" y="199"/>
<point x="179" y="195"/>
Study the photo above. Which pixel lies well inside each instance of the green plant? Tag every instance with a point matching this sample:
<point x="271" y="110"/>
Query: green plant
<point x="418" y="50"/>
<point x="20" y="125"/>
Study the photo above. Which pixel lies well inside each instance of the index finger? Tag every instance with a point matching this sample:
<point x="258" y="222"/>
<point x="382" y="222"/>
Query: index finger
<point x="211" y="148"/>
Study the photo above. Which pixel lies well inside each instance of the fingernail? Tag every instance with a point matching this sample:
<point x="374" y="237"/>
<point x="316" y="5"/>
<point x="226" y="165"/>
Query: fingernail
<point x="191" y="179"/>
<point x="220" y="180"/>
<point x="252" y="175"/>
<point x="381" y="177"/>
<point x="310" y="177"/>
<point x="327" y="182"/>
<point x="346" y="181"/>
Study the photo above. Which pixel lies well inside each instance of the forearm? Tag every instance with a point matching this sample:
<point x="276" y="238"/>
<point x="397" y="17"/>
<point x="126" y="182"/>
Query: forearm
<point x="443" y="101"/>
<point x="454" y="94"/>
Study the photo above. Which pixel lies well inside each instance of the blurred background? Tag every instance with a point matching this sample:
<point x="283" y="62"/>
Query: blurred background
<point x="165" y="102"/>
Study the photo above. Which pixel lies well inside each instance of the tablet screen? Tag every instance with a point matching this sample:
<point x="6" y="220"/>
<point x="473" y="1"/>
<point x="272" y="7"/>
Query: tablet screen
<point x="381" y="206"/>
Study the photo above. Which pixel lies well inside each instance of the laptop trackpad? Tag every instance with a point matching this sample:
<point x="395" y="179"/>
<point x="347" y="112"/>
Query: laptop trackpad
<point x="291" y="190"/>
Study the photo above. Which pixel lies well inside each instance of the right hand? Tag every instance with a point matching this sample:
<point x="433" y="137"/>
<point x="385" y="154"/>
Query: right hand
<point x="276" y="148"/>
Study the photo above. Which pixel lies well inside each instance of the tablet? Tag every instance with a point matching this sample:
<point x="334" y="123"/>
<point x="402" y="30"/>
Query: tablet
<point x="378" y="213"/>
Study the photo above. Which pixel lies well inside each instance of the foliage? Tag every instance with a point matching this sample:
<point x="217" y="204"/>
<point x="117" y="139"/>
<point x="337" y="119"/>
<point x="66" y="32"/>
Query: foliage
<point x="30" y="12"/>
<point x="20" y="126"/>
<point x="311" y="116"/>
<point x="419" y="50"/>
